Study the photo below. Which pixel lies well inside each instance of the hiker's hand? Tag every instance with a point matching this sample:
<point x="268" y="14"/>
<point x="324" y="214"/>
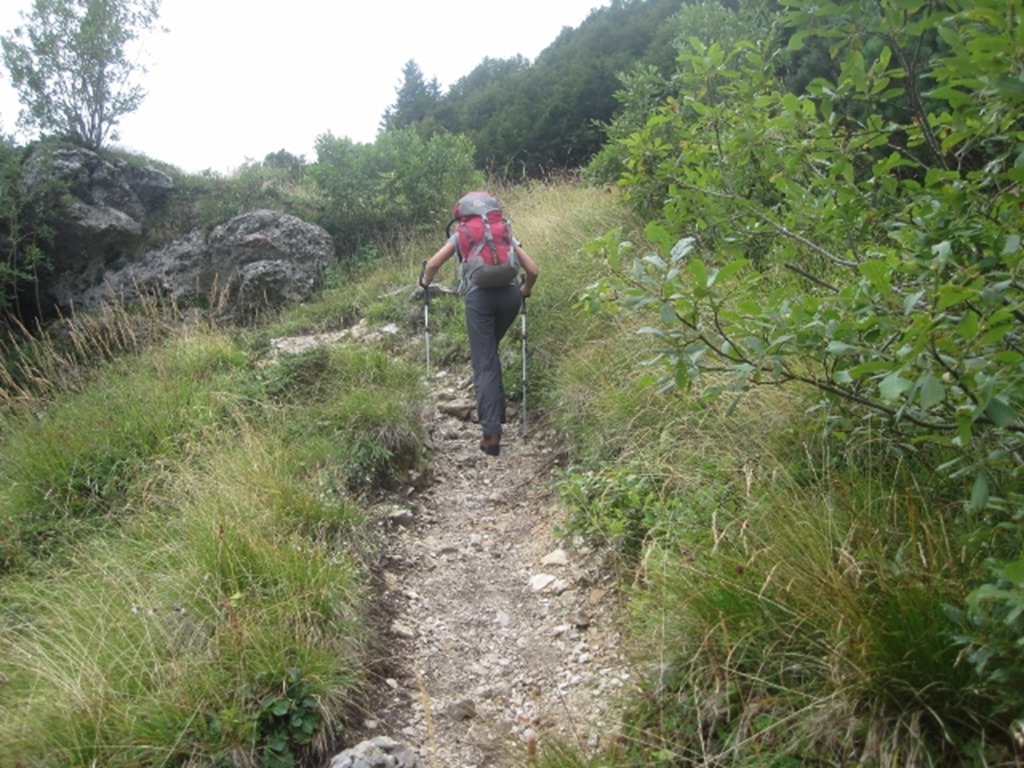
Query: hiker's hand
<point x="423" y="273"/>
<point x="526" y="291"/>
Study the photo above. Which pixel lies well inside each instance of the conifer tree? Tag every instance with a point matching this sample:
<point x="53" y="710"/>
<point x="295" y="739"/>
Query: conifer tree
<point x="416" y="99"/>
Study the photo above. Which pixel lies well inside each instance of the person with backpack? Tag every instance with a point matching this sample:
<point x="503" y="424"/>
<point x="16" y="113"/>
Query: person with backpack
<point x="491" y="261"/>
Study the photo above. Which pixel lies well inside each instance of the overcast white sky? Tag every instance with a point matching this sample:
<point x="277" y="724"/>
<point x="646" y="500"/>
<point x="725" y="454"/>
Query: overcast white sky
<point x="233" y="80"/>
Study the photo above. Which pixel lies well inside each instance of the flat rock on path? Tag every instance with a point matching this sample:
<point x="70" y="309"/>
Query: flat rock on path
<point x="500" y="637"/>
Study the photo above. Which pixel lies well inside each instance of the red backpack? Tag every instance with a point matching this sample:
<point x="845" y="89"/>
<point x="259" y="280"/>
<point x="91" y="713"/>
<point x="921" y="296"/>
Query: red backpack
<point x="485" y="240"/>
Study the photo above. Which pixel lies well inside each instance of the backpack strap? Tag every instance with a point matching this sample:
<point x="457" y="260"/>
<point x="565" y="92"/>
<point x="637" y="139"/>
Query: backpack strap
<point x="459" y="284"/>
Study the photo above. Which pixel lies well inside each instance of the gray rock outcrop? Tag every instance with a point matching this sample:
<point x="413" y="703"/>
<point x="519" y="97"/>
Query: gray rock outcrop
<point x="253" y="262"/>
<point x="102" y="206"/>
<point x="256" y="261"/>
<point x="99" y="183"/>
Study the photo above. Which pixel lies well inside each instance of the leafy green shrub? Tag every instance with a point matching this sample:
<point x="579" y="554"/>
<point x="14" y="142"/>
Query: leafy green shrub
<point x="614" y="507"/>
<point x="395" y="186"/>
<point x="860" y="240"/>
<point x="631" y="509"/>
<point x="902" y="292"/>
<point x="989" y="629"/>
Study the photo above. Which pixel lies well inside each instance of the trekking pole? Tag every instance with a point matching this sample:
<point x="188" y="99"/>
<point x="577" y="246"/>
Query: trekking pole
<point x="426" y="316"/>
<point x="523" y="337"/>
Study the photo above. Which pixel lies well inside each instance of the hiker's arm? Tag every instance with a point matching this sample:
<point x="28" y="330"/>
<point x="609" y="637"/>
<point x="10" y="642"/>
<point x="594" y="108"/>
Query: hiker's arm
<point x="530" y="267"/>
<point x="434" y="263"/>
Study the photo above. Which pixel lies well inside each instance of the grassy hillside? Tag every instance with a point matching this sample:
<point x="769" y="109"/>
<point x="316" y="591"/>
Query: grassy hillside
<point x="184" y="515"/>
<point x="185" y="538"/>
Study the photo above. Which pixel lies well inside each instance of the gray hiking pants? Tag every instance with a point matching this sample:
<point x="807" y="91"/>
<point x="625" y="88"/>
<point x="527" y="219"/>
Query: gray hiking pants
<point x="489" y="314"/>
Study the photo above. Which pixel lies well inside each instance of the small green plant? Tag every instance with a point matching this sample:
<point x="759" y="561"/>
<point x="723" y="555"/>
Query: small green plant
<point x="617" y="506"/>
<point x="288" y="718"/>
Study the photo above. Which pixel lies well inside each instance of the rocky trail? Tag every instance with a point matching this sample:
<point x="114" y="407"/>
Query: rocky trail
<point x="501" y="638"/>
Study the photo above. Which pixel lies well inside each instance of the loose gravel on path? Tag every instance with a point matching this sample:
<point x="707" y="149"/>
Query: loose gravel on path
<point x="500" y="637"/>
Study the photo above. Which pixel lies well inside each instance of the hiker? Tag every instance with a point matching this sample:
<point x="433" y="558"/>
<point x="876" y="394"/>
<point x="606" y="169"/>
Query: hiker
<point x="490" y="308"/>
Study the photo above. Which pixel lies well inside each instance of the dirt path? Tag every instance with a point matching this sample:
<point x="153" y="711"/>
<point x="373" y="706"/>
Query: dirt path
<point x="502" y="637"/>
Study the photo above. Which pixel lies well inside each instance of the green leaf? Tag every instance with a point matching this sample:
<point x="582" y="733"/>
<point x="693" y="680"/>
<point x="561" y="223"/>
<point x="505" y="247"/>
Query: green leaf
<point x="951" y="295"/>
<point x="699" y="270"/>
<point x="682" y="378"/>
<point x="682" y="249"/>
<point x="964" y="424"/>
<point x="1010" y="87"/>
<point x="281" y="707"/>
<point x="614" y="252"/>
<point x="893" y="386"/>
<point x="942" y="250"/>
<point x="730" y="269"/>
<point x="996" y="333"/>
<point x="968" y="326"/>
<point x="879" y="273"/>
<point x="659" y="235"/>
<point x="1014" y="572"/>
<point x="655" y="261"/>
<point x="931" y="391"/>
<point x="979" y="492"/>
<point x="1000" y="412"/>
<point x="911" y="301"/>
<point x="839" y="348"/>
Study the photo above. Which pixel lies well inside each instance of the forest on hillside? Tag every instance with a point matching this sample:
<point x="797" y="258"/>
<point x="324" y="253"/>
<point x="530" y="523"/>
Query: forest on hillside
<point x="529" y="118"/>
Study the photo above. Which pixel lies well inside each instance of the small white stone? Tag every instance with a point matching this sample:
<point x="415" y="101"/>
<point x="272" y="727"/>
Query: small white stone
<point x="403" y="631"/>
<point x="541" y="581"/>
<point x="557" y="557"/>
